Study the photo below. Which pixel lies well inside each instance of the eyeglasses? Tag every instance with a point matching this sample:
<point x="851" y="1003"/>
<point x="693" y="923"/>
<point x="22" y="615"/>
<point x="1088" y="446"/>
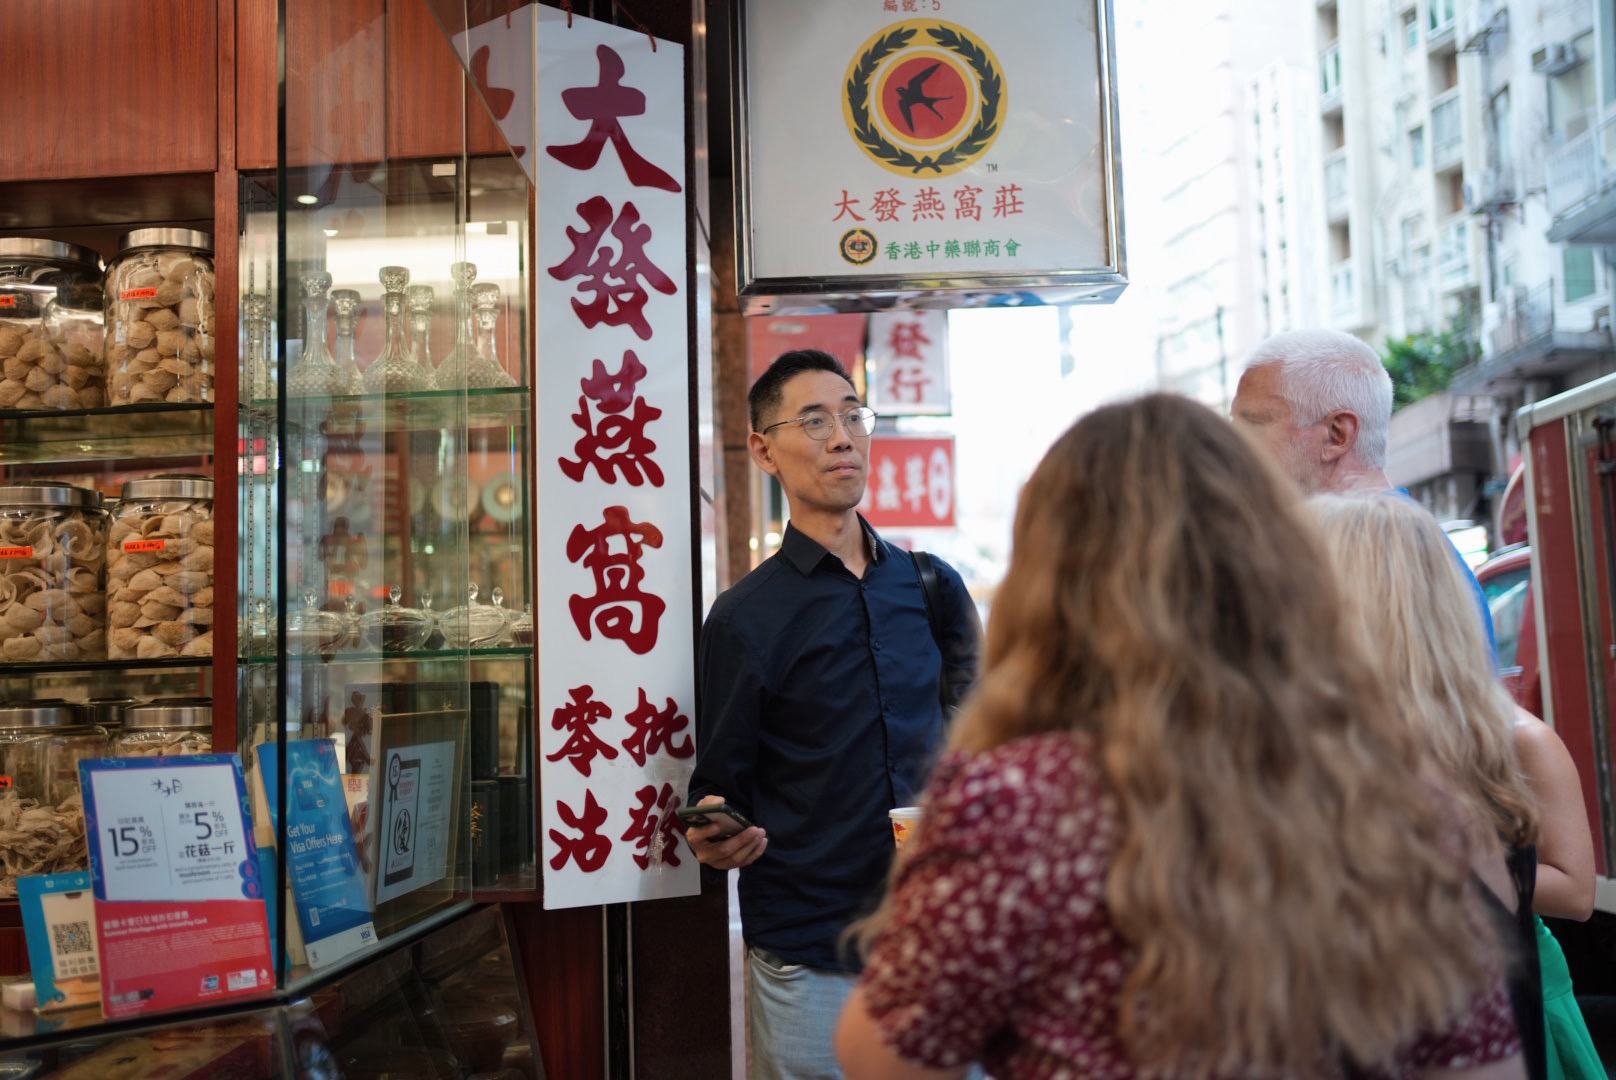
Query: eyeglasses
<point x="819" y="424"/>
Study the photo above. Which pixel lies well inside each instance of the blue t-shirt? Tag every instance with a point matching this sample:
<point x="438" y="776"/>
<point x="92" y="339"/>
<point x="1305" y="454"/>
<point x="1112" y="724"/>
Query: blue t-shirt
<point x="1475" y="587"/>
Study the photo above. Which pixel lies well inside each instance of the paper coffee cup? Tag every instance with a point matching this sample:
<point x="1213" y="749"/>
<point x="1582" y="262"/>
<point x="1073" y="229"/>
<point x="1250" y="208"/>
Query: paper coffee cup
<point x="905" y="819"/>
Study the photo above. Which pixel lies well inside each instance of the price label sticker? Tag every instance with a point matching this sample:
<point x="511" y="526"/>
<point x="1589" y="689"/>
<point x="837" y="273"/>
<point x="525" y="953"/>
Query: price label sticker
<point x="144" y="545"/>
<point x="8" y="300"/>
<point x="138" y="294"/>
<point x="169" y="828"/>
<point x="21" y="552"/>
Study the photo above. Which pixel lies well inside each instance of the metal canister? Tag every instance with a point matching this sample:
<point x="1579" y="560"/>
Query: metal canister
<point x="166" y="727"/>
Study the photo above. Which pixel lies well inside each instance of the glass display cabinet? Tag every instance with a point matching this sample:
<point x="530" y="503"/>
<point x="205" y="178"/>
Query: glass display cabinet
<point x="303" y="466"/>
<point x="386" y="560"/>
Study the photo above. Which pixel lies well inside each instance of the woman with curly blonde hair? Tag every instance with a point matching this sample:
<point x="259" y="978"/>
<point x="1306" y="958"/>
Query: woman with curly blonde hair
<point x="1181" y="830"/>
<point x="1414" y="607"/>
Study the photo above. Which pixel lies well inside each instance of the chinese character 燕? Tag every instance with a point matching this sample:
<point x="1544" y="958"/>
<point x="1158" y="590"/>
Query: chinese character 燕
<point x="623" y="435"/>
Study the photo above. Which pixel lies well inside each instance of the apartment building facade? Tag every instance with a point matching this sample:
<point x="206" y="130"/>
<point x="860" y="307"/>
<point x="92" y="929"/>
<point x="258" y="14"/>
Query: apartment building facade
<point x="1441" y="124"/>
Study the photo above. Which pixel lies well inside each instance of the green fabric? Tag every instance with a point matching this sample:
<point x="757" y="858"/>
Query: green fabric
<point x="1571" y="1049"/>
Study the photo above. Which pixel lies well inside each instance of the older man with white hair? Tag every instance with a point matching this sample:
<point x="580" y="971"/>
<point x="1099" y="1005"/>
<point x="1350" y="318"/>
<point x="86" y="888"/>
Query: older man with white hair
<point x="1321" y="402"/>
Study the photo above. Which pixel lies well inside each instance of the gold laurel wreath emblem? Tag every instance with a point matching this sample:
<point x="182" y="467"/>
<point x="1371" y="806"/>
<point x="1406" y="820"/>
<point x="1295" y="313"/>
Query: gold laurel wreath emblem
<point x="896" y="158"/>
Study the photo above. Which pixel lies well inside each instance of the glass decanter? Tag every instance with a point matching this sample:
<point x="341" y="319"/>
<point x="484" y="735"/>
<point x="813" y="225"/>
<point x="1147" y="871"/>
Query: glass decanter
<point x="393" y="372"/>
<point x="453" y="370"/>
<point x="316" y="372"/>
<point x="346" y="304"/>
<point x="486" y="372"/>
<point x="260" y="372"/>
<point x="419" y="303"/>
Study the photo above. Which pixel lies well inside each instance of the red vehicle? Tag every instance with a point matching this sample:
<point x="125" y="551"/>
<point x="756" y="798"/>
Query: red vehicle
<point x="1507" y="579"/>
<point x="1559" y="623"/>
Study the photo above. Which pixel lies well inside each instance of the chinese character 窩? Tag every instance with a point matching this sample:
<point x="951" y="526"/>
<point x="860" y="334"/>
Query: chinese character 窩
<point x="604" y="105"/>
<point x="612" y="276"/>
<point x="612" y="552"/>
<point x="965" y="204"/>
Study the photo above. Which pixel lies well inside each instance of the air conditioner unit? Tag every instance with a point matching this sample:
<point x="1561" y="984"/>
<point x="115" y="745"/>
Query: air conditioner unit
<point x="1554" y="58"/>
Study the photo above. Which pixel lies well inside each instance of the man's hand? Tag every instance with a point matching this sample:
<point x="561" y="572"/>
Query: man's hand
<point x="737" y="851"/>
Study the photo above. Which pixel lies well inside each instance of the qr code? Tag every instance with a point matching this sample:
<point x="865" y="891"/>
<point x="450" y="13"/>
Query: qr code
<point x="71" y="938"/>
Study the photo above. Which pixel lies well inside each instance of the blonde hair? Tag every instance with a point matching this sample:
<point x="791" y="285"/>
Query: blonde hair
<point x="1291" y="888"/>
<point x="1412" y="604"/>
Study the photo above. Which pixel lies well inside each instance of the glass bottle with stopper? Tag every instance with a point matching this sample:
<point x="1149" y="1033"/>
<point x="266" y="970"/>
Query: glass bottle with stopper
<point x="345" y="302"/>
<point x="394" y="627"/>
<point x="419" y="303"/>
<point x="453" y="370"/>
<point x="316" y="372"/>
<point x="260" y="373"/>
<point x="393" y="372"/>
<point x="486" y="372"/>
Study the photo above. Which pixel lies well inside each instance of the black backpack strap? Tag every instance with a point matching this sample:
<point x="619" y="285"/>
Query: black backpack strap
<point x="926" y="571"/>
<point x="957" y="675"/>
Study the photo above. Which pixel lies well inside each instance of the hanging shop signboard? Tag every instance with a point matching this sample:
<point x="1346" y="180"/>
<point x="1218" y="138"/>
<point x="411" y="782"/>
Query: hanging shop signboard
<point x="925" y="153"/>
<point x="909" y="363"/>
<point x="911" y="482"/>
<point x="842" y="336"/>
<point x="616" y="616"/>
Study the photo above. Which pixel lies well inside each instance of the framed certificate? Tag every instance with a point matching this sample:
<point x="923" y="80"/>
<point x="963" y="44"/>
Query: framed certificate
<point x="925" y="153"/>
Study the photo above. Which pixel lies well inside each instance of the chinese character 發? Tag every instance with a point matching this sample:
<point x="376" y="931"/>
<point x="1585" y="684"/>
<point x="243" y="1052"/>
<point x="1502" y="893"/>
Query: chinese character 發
<point x="886" y="204"/>
<point x="613" y="277"/>
<point x="578" y="718"/>
<point x="655" y="814"/>
<point x="604" y="105"/>
<point x="612" y="552"/>
<point x="590" y="848"/>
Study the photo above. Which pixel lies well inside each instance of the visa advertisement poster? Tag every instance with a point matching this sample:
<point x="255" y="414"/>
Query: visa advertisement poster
<point x="322" y="862"/>
<point x="174" y="827"/>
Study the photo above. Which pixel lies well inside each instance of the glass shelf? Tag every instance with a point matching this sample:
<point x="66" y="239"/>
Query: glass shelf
<point x="425" y="410"/>
<point x="36" y="436"/>
<point x="503" y="652"/>
<point x="21" y="667"/>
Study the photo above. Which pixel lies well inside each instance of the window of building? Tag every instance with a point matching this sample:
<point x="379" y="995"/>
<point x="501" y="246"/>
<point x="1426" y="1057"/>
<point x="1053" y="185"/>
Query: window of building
<point x="1578" y="264"/>
<point x="1573" y="94"/>
<point x="1501" y="153"/>
<point x="1416" y="146"/>
<point x="1411" y="32"/>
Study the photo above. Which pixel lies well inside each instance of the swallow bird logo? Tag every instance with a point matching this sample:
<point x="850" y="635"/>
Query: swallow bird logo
<point x="924" y="98"/>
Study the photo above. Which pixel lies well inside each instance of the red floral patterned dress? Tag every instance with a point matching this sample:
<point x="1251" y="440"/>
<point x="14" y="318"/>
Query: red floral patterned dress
<point x="1001" y="947"/>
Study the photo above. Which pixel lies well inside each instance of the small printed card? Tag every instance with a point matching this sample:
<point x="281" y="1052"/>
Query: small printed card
<point x="58" y="918"/>
<point x="179" y="905"/>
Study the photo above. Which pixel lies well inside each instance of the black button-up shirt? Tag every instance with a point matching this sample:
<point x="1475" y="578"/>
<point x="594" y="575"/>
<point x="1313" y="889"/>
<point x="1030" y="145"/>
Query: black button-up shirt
<point x="819" y="712"/>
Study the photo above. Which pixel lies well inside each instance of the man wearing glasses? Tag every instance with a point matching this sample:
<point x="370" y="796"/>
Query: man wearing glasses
<point x="819" y="712"/>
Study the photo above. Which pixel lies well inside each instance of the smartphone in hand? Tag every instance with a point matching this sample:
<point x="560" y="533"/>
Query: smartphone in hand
<point x="729" y="820"/>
